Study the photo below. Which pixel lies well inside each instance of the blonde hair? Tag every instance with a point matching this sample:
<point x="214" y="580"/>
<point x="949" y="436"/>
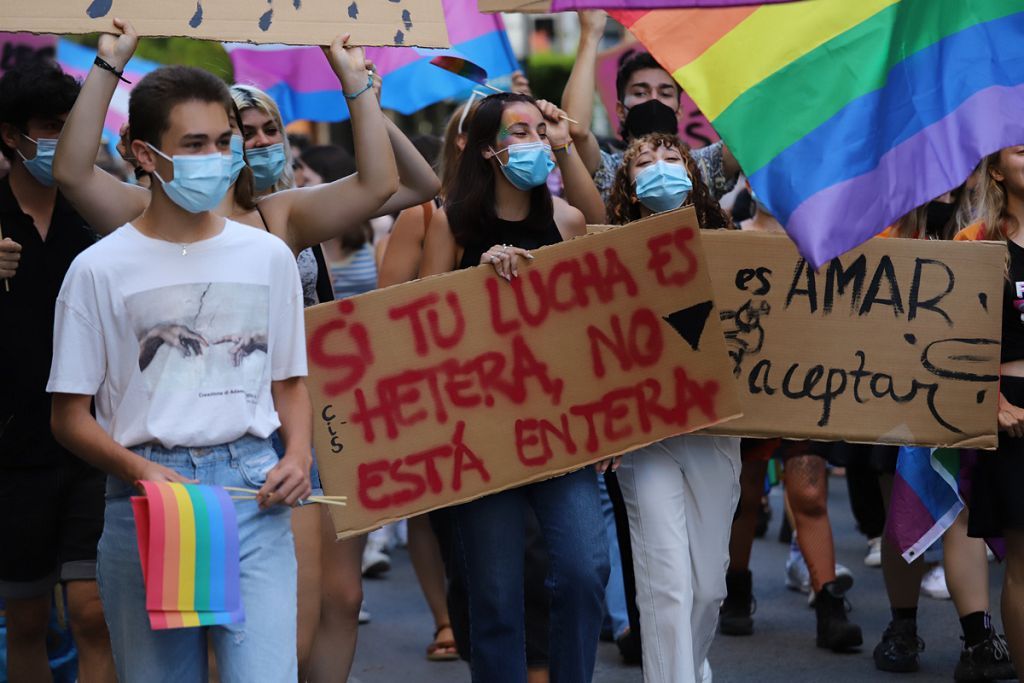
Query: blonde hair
<point x="990" y="206"/>
<point x="251" y="97"/>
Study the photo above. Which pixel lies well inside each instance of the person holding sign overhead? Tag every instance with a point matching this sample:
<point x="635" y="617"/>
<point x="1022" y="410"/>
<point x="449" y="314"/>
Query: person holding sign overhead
<point x="680" y="493"/>
<point x="498" y="208"/>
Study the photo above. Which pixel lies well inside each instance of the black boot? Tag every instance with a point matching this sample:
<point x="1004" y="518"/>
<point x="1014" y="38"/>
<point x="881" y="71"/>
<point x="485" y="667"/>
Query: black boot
<point x="734" y="617"/>
<point x="835" y="632"/>
<point x="899" y="648"/>
<point x="989" y="660"/>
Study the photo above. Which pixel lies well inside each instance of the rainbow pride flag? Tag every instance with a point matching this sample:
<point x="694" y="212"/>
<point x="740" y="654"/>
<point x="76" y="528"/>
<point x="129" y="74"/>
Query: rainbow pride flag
<point x="304" y="87"/>
<point x="845" y="115"/>
<point x="188" y="545"/>
<point x="567" y="5"/>
<point x="925" y="499"/>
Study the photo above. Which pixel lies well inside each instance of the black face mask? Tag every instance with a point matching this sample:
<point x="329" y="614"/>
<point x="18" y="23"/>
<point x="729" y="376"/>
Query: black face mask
<point x="939" y="216"/>
<point x="649" y="117"/>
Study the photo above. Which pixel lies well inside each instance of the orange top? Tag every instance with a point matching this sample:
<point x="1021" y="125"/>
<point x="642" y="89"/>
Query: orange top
<point x="971" y="232"/>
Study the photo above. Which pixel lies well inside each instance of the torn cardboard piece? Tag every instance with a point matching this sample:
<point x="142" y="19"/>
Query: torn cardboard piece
<point x="894" y="342"/>
<point x="293" y="22"/>
<point x="446" y="389"/>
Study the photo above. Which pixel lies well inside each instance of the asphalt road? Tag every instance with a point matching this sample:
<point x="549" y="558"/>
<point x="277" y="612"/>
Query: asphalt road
<point x="391" y="647"/>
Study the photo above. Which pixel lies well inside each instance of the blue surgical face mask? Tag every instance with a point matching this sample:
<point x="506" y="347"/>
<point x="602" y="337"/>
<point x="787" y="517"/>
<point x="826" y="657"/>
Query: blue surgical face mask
<point x="529" y="164"/>
<point x="237" y="158"/>
<point x="200" y="180"/>
<point x="663" y="186"/>
<point x="267" y="164"/>
<point x="41" y="165"/>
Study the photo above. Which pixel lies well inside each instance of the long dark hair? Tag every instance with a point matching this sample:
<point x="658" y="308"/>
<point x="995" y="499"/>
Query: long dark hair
<point x="469" y="202"/>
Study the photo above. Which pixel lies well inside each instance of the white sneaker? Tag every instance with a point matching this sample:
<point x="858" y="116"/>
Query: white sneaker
<point x="375" y="561"/>
<point x="934" y="583"/>
<point x="364" y="616"/>
<point x="874" y="556"/>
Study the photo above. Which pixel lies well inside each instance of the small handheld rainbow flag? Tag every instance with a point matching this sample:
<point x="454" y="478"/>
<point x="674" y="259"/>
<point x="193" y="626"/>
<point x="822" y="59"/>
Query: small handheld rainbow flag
<point x="461" y="66"/>
<point x="188" y="545"/>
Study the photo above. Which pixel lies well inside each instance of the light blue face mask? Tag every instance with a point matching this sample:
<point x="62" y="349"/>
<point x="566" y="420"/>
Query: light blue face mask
<point x="267" y="164"/>
<point x="41" y="165"/>
<point x="663" y="186"/>
<point x="237" y="158"/>
<point x="529" y="164"/>
<point x="200" y="180"/>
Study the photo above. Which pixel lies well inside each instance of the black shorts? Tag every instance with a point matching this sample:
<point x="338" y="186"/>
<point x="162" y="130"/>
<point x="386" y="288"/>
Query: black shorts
<point x="997" y="477"/>
<point x="51" y="519"/>
<point x="879" y="459"/>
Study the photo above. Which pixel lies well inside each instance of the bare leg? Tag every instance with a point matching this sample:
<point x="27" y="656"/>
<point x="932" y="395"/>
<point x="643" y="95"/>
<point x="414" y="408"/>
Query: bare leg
<point x="966" y="566"/>
<point x="308" y="539"/>
<point x="743" y="526"/>
<point x="426" y="560"/>
<point x="95" y="660"/>
<point x="26" y="640"/>
<point x="537" y="675"/>
<point x="902" y="579"/>
<point x="1013" y="594"/>
<point x="342" y="593"/>
<point x="807" y="493"/>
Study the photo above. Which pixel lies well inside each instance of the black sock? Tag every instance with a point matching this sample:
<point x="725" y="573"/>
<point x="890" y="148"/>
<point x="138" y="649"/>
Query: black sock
<point x="905" y="613"/>
<point x="977" y="626"/>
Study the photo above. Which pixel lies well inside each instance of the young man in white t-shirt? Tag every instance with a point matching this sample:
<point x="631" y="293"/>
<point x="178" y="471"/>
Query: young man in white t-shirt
<point x="187" y="330"/>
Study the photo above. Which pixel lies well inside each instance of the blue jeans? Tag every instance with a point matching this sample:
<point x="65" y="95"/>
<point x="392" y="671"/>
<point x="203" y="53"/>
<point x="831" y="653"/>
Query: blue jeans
<point x="492" y="543"/>
<point x="263" y="647"/>
<point x="615" y="592"/>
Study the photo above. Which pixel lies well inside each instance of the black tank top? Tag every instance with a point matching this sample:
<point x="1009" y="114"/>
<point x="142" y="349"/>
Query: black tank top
<point x="512" y="233"/>
<point x="1013" y="306"/>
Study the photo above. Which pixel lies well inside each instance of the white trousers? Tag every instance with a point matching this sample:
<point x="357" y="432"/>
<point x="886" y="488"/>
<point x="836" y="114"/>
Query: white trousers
<point x="681" y="494"/>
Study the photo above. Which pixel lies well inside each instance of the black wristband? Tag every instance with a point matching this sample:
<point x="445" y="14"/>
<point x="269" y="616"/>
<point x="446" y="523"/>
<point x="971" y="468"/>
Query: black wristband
<point x="106" y="66"/>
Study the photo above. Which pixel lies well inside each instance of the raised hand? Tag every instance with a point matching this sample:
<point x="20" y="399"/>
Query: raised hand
<point x="348" y="63"/>
<point x="558" y="126"/>
<point x="117" y="48"/>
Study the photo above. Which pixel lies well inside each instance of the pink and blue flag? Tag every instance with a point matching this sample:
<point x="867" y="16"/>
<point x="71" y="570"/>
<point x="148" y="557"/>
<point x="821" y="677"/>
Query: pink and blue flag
<point x="76" y="60"/>
<point x="304" y="87"/>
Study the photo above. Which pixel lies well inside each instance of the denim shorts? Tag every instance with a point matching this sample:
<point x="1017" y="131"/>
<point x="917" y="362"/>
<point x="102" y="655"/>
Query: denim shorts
<point x="263" y="647"/>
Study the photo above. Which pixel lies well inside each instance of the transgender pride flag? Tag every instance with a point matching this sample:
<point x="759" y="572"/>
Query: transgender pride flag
<point x="304" y="87"/>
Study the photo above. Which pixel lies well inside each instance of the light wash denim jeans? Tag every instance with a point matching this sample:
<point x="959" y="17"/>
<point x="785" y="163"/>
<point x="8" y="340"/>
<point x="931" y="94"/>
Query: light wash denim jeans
<point x="492" y="539"/>
<point x="262" y="648"/>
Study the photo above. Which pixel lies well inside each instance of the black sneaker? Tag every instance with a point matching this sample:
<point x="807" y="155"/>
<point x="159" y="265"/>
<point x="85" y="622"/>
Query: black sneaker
<point x="629" y="646"/>
<point x="988" y="660"/>
<point x="898" y="652"/>
<point x="734" y="616"/>
<point x="835" y="632"/>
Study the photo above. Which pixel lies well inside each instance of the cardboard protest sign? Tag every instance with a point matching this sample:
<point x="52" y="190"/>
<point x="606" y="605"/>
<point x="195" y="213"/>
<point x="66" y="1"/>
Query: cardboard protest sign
<point x="25" y="47"/>
<point x="449" y="388"/>
<point x="293" y="22"/>
<point x="896" y="341"/>
<point x="521" y="6"/>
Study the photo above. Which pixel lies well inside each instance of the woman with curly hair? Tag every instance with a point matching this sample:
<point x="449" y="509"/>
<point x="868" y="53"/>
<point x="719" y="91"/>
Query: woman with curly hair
<point x="658" y="169"/>
<point x="681" y="492"/>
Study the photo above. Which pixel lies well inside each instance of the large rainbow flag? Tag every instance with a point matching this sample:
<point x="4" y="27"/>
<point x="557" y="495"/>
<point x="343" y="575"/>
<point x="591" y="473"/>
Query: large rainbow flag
<point x="567" y="5"/>
<point x="304" y="87"/>
<point x="847" y="114"/>
<point x="188" y="545"/>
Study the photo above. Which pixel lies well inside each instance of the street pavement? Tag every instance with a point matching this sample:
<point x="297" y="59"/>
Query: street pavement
<point x="391" y="647"/>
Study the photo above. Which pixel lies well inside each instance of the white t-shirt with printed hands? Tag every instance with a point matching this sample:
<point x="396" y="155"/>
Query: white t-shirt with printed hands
<point x="179" y="349"/>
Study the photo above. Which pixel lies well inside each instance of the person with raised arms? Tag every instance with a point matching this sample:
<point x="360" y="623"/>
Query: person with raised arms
<point x="187" y="328"/>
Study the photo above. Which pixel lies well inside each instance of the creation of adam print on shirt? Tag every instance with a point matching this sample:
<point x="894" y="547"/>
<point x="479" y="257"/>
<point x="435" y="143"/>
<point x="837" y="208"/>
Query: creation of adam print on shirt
<point x="202" y="340"/>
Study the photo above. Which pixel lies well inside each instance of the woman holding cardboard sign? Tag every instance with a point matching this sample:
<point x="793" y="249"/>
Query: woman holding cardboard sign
<point x="680" y="493"/>
<point x="496" y="210"/>
<point x="996" y="507"/>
